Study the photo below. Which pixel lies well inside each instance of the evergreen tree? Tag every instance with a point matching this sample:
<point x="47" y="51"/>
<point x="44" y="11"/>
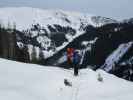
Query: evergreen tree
<point x="23" y="54"/>
<point x="12" y="45"/>
<point x="4" y="43"/>
<point x="14" y="26"/>
<point x="41" y="58"/>
<point x="33" y="55"/>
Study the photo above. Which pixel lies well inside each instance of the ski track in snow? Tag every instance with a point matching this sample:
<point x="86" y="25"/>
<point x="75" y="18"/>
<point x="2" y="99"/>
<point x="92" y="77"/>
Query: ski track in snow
<point x="75" y="90"/>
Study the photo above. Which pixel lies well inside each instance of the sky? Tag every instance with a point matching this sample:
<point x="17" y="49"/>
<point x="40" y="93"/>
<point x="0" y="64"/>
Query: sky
<point x="117" y="9"/>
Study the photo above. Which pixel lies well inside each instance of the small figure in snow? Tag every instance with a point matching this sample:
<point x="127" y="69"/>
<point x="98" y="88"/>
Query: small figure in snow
<point x="76" y="61"/>
<point x="73" y="59"/>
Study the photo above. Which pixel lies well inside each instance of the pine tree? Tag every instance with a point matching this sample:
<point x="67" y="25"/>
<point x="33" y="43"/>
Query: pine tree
<point x="12" y="45"/>
<point x="22" y="54"/>
<point x="4" y="43"/>
<point x="33" y="56"/>
<point x="41" y="57"/>
<point x="9" y="27"/>
<point x="14" y="26"/>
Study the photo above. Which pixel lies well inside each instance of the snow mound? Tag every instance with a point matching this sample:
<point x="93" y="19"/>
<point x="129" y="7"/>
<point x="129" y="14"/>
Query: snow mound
<point x="19" y="81"/>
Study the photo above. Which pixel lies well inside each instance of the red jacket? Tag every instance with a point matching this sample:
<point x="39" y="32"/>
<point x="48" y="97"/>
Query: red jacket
<point x="70" y="52"/>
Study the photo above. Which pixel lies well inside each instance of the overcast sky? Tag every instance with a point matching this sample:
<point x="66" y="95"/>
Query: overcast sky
<point x="118" y="9"/>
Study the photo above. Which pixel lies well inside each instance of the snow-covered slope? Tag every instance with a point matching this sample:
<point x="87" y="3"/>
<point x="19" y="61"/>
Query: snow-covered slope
<point x="116" y="56"/>
<point x="19" y="81"/>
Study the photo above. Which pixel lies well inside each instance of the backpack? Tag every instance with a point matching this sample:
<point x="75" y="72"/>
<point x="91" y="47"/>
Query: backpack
<point x="76" y="57"/>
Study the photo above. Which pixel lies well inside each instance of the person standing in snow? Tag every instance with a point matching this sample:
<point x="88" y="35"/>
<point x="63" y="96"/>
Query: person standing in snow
<point x="73" y="59"/>
<point x="76" y="62"/>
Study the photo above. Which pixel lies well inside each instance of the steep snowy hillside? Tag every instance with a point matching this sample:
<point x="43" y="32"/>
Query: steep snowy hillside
<point x="19" y="81"/>
<point x="116" y="56"/>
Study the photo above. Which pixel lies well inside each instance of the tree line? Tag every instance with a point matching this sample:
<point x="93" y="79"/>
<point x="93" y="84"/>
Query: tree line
<point x="9" y="48"/>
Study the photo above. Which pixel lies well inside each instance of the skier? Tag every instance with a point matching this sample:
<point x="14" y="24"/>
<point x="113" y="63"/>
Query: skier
<point x="76" y="61"/>
<point x="73" y="59"/>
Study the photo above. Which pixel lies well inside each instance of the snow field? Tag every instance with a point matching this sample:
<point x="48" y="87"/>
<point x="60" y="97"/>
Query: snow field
<point x="19" y="81"/>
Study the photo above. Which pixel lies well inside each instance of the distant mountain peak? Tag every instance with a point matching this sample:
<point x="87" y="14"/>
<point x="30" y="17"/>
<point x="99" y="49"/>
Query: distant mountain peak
<point x="24" y="17"/>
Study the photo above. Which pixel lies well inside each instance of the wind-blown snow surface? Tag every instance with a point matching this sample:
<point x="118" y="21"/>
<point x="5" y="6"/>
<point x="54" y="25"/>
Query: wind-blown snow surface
<point x="19" y="81"/>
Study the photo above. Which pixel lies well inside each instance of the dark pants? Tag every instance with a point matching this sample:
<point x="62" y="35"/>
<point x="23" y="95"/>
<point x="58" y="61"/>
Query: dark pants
<point x="76" y="69"/>
<point x="73" y="65"/>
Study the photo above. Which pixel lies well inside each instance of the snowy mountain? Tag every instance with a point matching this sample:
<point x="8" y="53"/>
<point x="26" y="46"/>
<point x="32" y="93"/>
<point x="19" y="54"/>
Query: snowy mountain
<point x="48" y="29"/>
<point x="24" y="17"/>
<point x="32" y="82"/>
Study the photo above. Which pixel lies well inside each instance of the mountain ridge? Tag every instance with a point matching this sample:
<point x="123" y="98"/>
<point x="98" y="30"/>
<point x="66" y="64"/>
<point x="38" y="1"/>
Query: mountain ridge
<point x="36" y="15"/>
<point x="36" y="22"/>
<point x="50" y="33"/>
